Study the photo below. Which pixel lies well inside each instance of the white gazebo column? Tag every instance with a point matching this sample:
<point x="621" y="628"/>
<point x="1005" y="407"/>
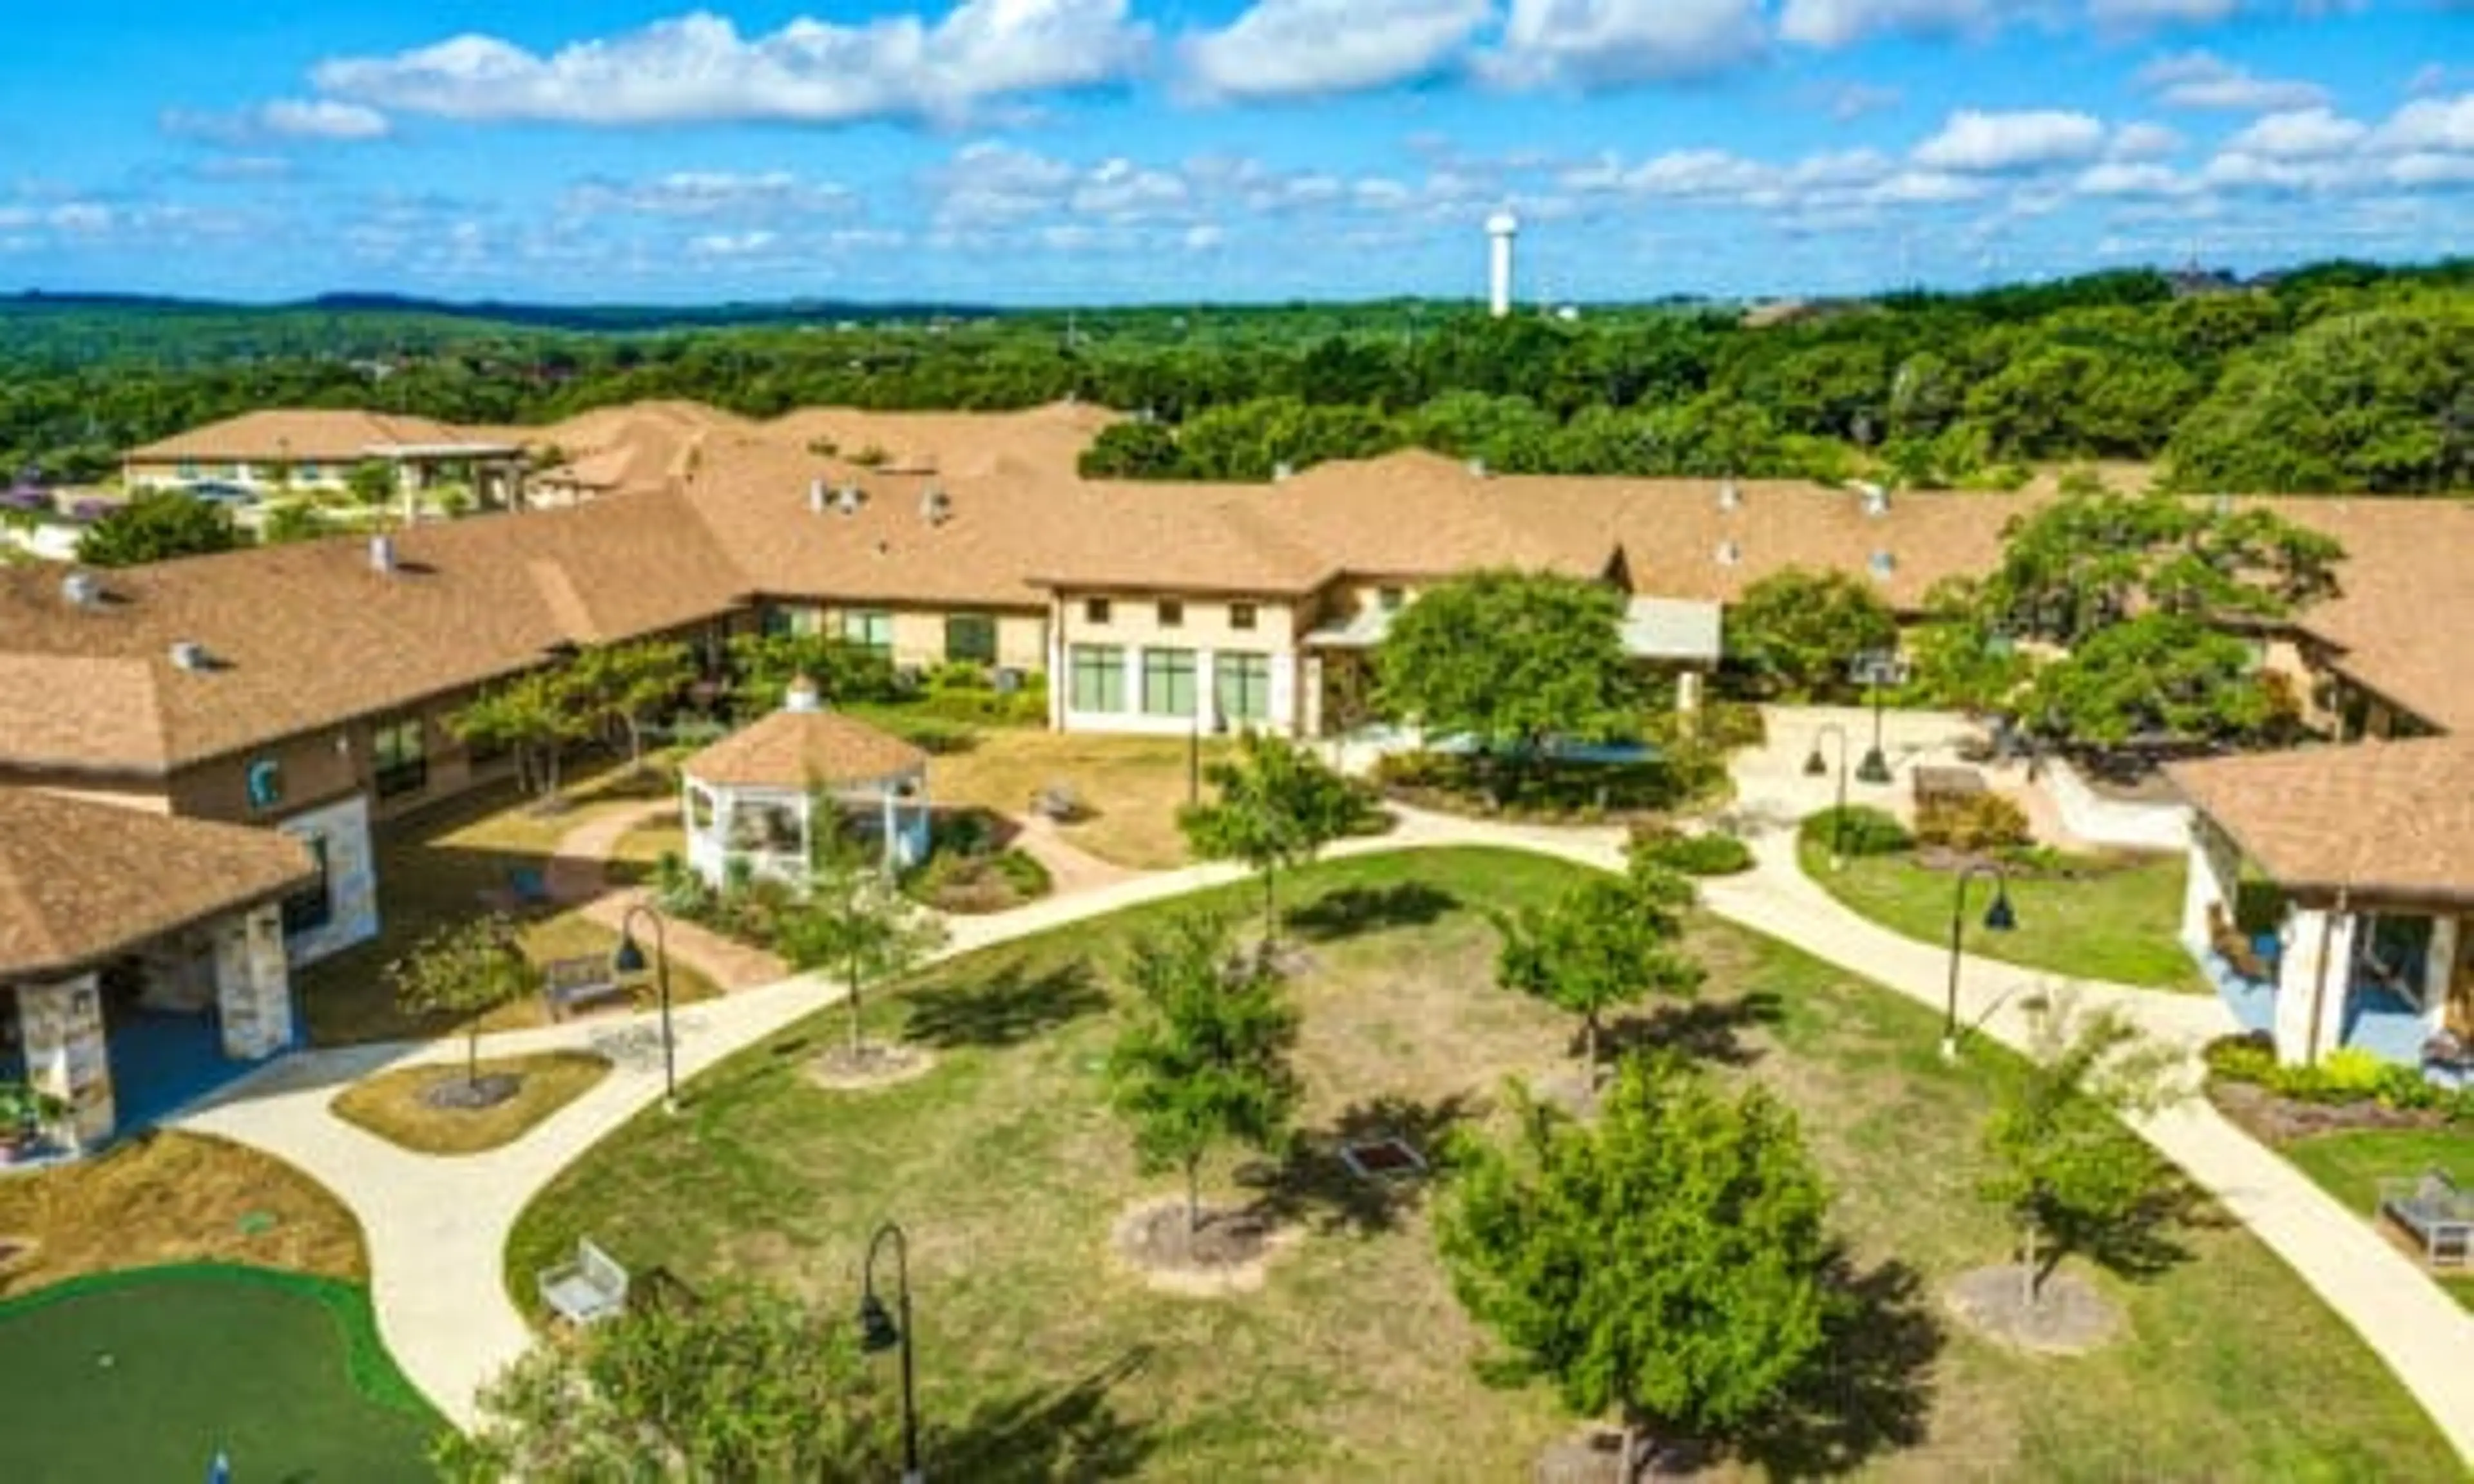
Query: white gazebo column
<point x="1688" y="691"/>
<point x="2439" y="966"/>
<point x="61" y="1025"/>
<point x="253" y="984"/>
<point x="2315" y="976"/>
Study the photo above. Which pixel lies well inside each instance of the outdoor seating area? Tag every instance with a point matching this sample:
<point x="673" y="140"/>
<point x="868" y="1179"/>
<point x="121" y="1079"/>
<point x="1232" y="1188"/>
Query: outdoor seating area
<point x="569" y="984"/>
<point x="2437" y="1214"/>
<point x="586" y="1288"/>
<point x="755" y="802"/>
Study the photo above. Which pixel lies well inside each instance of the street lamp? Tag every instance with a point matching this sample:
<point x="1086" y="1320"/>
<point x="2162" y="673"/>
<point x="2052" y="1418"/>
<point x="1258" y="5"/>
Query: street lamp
<point x="1997" y="918"/>
<point x="881" y="1330"/>
<point x="630" y="960"/>
<point x="1813" y="768"/>
<point x="1874" y="669"/>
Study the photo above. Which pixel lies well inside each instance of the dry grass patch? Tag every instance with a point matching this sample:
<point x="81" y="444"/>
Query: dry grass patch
<point x="173" y="1197"/>
<point x="1354" y="1360"/>
<point x="1132" y="786"/>
<point x="391" y="1104"/>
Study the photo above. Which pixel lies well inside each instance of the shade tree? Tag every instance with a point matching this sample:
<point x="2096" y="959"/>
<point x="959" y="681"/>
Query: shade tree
<point x="1605" y="943"/>
<point x="1509" y="659"/>
<point x="1274" y="806"/>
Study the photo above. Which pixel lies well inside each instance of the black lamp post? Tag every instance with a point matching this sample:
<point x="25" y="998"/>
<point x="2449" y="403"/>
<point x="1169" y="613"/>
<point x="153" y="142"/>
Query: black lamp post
<point x="1814" y="767"/>
<point x="1997" y="918"/>
<point x="630" y="960"/>
<point x="1872" y="669"/>
<point x="881" y="1330"/>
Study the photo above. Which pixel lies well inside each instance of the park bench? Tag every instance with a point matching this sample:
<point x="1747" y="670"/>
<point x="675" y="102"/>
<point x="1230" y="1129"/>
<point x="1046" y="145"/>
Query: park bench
<point x="586" y="1288"/>
<point x="570" y="984"/>
<point x="2440" y="1215"/>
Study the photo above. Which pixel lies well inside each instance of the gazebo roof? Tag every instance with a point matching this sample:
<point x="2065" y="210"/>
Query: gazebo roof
<point x="2373" y="818"/>
<point x="82" y="882"/>
<point x="793" y="749"/>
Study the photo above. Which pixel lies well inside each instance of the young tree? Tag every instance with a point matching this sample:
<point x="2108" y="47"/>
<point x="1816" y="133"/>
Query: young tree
<point x="1667" y="1264"/>
<point x="743" y="1386"/>
<point x="2066" y="1170"/>
<point x="1608" y="941"/>
<point x="621" y="685"/>
<point x="1277" y="807"/>
<point x="157" y="526"/>
<point x="1509" y="659"/>
<point x="763" y="666"/>
<point x="535" y="716"/>
<point x="1207" y="1061"/>
<point x="373" y="484"/>
<point x="1798" y="632"/>
<point x="853" y="920"/>
<point x="293" y="520"/>
<point x="466" y="970"/>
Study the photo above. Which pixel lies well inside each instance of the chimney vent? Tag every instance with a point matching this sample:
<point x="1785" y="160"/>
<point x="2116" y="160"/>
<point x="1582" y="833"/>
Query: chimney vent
<point x="382" y="554"/>
<point x="1731" y="496"/>
<point x="1283" y="472"/>
<point x="849" y="499"/>
<point x="817" y="495"/>
<point x="1877" y="500"/>
<point x="1477" y="469"/>
<point x="1883" y="565"/>
<point x="934" y="506"/>
<point x="1730" y="553"/>
<point x="188" y="655"/>
<point x="82" y="589"/>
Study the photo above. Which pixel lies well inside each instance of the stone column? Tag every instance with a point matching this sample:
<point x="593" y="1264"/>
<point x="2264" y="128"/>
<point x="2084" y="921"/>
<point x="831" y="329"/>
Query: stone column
<point x="2314" y="979"/>
<point x="2438" y="968"/>
<point x="62" y="1027"/>
<point x="253" y="984"/>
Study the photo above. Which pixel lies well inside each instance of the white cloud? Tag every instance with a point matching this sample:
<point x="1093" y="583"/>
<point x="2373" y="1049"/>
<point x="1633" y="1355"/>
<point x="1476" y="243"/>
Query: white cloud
<point x="1832" y="24"/>
<point x="711" y="193"/>
<point x="725" y="244"/>
<point x="244" y="167"/>
<point x="1610" y="43"/>
<point x="1855" y="100"/>
<point x="2431" y="123"/>
<point x="1303" y="48"/>
<point x="2142" y="141"/>
<point x="1203" y="236"/>
<point x="2140" y="15"/>
<point x="2203" y="80"/>
<point x="2117" y="177"/>
<point x="1121" y="191"/>
<point x="2301" y="133"/>
<point x="1980" y="141"/>
<point x="698" y="68"/>
<point x="320" y="118"/>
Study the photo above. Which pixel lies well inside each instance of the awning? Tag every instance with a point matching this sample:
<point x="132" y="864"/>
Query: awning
<point x="1674" y="630"/>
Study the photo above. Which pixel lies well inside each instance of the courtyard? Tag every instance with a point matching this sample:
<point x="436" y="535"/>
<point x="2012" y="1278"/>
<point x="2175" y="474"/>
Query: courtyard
<point x="1354" y="1360"/>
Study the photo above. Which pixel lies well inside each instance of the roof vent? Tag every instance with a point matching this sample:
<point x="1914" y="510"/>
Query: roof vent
<point x="1477" y="469"/>
<point x="1731" y="496"/>
<point x="935" y="505"/>
<point x="82" y="589"/>
<point x="1882" y="564"/>
<point x="803" y="695"/>
<point x="1877" y="500"/>
<point x="188" y="655"/>
<point x="1283" y="472"/>
<point x="849" y="499"/>
<point x="884" y="547"/>
<point x="382" y="554"/>
<point x="1730" y="553"/>
<point x="818" y="495"/>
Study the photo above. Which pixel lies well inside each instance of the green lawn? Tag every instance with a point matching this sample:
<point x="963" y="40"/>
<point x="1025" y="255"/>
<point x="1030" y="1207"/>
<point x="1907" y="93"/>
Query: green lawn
<point x="144" y="1375"/>
<point x="1355" y="1361"/>
<point x="2350" y="1167"/>
<point x="2121" y="926"/>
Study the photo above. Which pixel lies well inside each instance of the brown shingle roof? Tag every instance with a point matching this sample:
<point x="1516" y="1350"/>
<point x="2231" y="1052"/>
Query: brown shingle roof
<point x="318" y="435"/>
<point x="2379" y="818"/>
<point x="793" y="749"/>
<point x="82" y="882"/>
<point x="2405" y="617"/>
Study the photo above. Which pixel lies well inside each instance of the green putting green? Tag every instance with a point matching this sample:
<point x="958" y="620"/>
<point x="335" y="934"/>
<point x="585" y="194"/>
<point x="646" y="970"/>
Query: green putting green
<point x="144" y="1375"/>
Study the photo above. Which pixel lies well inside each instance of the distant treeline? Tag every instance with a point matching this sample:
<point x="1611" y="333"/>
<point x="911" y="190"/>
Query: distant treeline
<point x="2335" y="377"/>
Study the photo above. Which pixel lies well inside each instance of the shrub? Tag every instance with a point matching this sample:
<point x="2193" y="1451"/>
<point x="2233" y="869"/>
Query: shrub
<point x="1973" y="822"/>
<point x="1711" y="854"/>
<point x="680" y="892"/>
<point x="2350" y="1073"/>
<point x="1729" y="724"/>
<point x="1865" y="831"/>
<point x="2245" y="1058"/>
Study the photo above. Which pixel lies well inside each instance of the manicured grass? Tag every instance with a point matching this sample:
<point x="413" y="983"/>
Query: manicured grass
<point x="2117" y="925"/>
<point x="1355" y="1361"/>
<point x="1132" y="786"/>
<point x="146" y="1374"/>
<point x="2351" y="1166"/>
<point x="390" y="1102"/>
<point x="170" y="1197"/>
<point x="444" y="865"/>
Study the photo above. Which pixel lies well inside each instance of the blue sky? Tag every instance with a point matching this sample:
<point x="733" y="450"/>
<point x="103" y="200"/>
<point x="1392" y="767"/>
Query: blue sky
<point x="1047" y="150"/>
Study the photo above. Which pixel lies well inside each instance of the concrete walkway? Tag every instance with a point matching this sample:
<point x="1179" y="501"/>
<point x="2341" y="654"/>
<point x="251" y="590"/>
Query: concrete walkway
<point x="437" y="1228"/>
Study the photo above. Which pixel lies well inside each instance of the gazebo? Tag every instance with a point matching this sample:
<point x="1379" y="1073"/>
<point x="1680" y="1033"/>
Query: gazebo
<point x="752" y="795"/>
<point x="2356" y="927"/>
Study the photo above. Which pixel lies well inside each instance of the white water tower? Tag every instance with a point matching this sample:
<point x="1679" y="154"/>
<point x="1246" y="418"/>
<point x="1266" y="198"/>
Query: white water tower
<point x="1500" y="228"/>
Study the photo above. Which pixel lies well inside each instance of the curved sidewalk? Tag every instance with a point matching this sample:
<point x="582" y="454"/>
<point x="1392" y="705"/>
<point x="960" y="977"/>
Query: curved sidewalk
<point x="437" y="1228"/>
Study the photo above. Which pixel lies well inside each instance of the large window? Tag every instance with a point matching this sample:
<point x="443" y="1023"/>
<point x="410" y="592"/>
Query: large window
<point x="1168" y="683"/>
<point x="869" y="631"/>
<point x="401" y="761"/>
<point x="971" y="638"/>
<point x="1241" y="687"/>
<point x="1098" y="678"/>
<point x="309" y="908"/>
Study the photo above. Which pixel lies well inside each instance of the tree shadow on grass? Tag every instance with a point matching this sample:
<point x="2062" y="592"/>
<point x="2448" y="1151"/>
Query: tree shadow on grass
<point x="1869" y="1391"/>
<point x="1705" y="1030"/>
<point x="1005" y="1010"/>
<point x="1315" y="1184"/>
<point x="2141" y="1243"/>
<point x="1354" y="910"/>
<point x="1046" y="1435"/>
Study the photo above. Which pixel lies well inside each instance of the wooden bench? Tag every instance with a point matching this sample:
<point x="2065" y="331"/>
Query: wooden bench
<point x="570" y="984"/>
<point x="585" y="1289"/>
<point x="2440" y="1215"/>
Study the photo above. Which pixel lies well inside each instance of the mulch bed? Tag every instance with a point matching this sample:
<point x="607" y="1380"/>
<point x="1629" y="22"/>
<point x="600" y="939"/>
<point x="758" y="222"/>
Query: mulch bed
<point x="2275" y="1120"/>
<point x="1225" y="1254"/>
<point x="461" y="1094"/>
<point x="2070" y="1317"/>
<point x="868" y="1066"/>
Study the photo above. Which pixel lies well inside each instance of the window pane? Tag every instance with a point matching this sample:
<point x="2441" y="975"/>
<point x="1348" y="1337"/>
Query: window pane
<point x="1168" y="682"/>
<point x="1241" y="616"/>
<point x="1098" y="678"/>
<point x="1242" y="685"/>
<point x="971" y="638"/>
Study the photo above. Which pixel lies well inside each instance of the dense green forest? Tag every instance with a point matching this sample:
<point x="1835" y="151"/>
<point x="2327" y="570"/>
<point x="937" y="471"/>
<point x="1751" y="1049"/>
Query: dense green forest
<point x="2334" y="377"/>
